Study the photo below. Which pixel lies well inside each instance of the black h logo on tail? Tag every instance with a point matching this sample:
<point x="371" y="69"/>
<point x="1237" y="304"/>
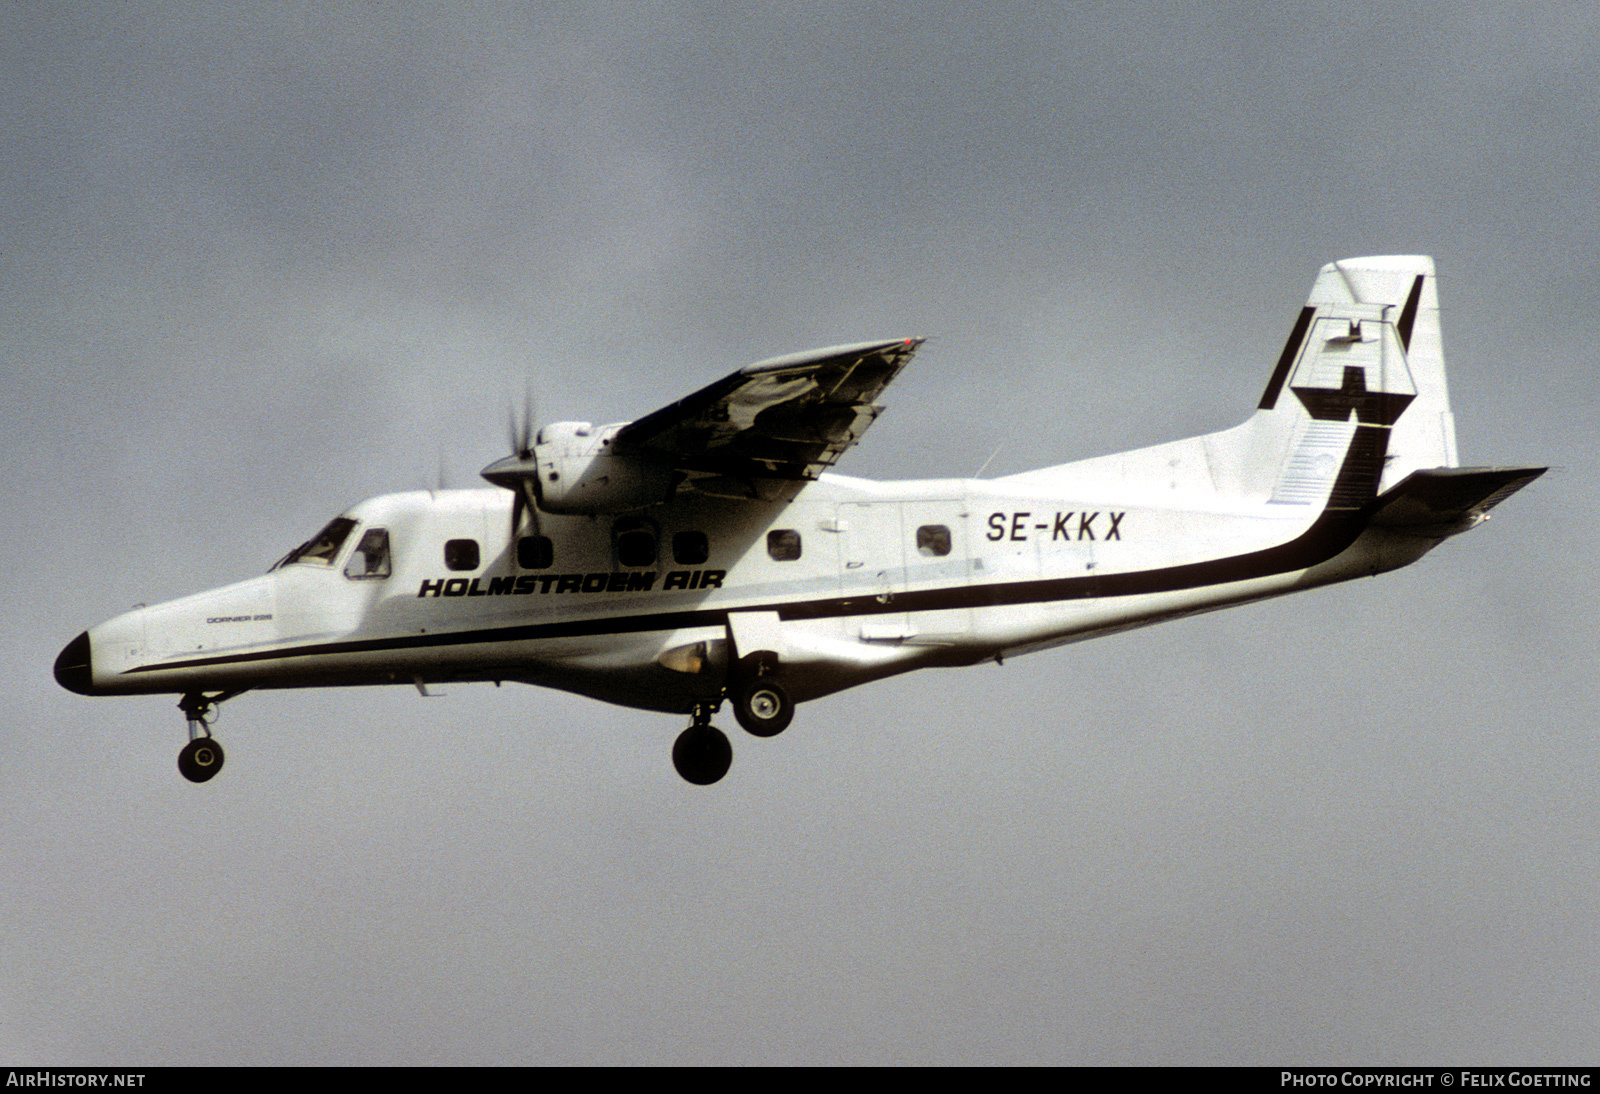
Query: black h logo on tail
<point x="1375" y="412"/>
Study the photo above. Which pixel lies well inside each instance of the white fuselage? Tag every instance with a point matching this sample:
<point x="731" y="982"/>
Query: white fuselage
<point x="851" y="581"/>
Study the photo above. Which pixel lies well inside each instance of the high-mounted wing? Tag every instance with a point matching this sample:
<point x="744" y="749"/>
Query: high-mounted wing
<point x="763" y="432"/>
<point x="788" y="418"/>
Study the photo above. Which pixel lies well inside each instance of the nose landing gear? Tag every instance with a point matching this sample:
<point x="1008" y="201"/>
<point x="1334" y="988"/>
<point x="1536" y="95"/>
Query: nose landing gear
<point x="702" y="753"/>
<point x="202" y="757"/>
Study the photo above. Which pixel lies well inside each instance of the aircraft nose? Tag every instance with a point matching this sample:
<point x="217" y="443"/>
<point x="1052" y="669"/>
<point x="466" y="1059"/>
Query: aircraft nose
<point x="73" y="666"/>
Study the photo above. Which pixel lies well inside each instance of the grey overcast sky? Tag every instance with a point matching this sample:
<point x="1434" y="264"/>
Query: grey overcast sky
<point x="258" y="262"/>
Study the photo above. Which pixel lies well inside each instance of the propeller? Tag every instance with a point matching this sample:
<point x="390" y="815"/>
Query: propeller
<point x="517" y="474"/>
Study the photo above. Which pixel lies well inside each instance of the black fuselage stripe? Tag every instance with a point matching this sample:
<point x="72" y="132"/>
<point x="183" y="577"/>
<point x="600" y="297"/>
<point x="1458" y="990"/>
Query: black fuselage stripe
<point x="1330" y="534"/>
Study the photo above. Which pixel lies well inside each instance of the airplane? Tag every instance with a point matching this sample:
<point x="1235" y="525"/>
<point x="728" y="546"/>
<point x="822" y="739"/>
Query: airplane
<point x="706" y="553"/>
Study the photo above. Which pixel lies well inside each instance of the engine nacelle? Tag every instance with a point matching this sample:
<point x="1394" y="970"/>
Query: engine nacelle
<point x="600" y="483"/>
<point x="578" y="472"/>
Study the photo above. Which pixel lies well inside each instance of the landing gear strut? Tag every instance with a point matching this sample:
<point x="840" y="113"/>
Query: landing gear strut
<point x="702" y="753"/>
<point x="202" y="757"/>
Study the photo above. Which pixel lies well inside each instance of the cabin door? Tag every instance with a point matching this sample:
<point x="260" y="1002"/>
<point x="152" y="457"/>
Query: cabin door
<point x="873" y="569"/>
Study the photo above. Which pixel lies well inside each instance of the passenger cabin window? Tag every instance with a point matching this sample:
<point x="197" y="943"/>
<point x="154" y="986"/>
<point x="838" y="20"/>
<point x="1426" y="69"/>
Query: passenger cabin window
<point x="536" y="553"/>
<point x="461" y="554"/>
<point x="783" y="544"/>
<point x="322" y="547"/>
<point x="933" y="540"/>
<point x="690" y="548"/>
<point x="371" y="556"/>
<point x="634" y="541"/>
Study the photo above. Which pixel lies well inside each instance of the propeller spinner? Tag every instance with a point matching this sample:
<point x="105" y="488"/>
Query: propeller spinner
<point x="518" y="471"/>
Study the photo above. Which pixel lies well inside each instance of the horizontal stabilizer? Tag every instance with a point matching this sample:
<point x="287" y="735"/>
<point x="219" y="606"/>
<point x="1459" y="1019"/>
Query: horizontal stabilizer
<point x="1445" y="500"/>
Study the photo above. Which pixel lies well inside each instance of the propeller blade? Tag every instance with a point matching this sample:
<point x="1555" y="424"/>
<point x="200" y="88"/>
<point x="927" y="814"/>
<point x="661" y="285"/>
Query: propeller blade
<point x="532" y="504"/>
<point x="523" y="507"/>
<point x="522" y="431"/>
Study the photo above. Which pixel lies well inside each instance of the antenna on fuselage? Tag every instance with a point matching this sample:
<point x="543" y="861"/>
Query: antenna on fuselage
<point x="978" y="474"/>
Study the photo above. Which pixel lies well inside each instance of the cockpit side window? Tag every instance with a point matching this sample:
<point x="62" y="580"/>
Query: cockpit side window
<point x="371" y="556"/>
<point x="322" y="547"/>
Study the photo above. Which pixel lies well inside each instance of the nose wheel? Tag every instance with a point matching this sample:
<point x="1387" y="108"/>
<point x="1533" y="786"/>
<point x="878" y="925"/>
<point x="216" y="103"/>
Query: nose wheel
<point x="702" y="753"/>
<point x="202" y="757"/>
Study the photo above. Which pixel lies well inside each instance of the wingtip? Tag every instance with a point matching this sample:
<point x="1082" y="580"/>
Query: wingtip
<point x="806" y="357"/>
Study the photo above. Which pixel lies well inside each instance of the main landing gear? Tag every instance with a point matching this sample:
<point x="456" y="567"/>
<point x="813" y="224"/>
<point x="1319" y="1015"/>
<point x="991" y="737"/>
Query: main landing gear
<point x="762" y="705"/>
<point x="202" y="757"/>
<point x="760" y="702"/>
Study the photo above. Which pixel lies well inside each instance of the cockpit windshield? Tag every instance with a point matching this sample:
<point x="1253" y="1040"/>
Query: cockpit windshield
<point x="322" y="547"/>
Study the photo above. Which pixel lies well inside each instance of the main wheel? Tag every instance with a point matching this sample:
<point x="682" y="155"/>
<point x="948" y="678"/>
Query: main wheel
<point x="763" y="707"/>
<point x="702" y="754"/>
<point x="200" y="759"/>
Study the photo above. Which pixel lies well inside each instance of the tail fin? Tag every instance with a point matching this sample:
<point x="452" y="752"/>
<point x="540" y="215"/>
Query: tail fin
<point x="1356" y="403"/>
<point x="1358" y="400"/>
